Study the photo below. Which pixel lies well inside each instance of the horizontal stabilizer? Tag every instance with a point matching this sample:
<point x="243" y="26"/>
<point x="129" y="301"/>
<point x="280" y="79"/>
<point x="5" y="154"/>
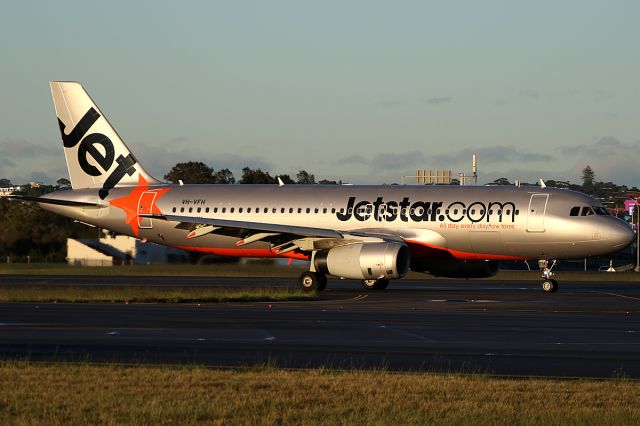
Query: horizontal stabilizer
<point x="55" y="201"/>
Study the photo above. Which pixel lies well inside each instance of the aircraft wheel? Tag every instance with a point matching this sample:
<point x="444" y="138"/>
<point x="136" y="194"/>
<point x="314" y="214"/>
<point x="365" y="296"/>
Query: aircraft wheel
<point x="374" y="284"/>
<point x="309" y="281"/>
<point x="381" y="284"/>
<point x="323" y="282"/>
<point x="549" y="286"/>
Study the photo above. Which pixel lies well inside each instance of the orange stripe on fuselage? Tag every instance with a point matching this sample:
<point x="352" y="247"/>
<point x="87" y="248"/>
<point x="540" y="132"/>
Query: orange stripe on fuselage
<point x="243" y="252"/>
<point x="460" y="255"/>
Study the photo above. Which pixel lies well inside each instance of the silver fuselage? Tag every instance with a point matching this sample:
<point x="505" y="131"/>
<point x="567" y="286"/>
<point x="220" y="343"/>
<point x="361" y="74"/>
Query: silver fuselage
<point x="478" y="222"/>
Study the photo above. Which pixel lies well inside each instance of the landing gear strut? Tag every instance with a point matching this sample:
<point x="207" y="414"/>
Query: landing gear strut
<point x="374" y="284"/>
<point x="312" y="281"/>
<point x="549" y="285"/>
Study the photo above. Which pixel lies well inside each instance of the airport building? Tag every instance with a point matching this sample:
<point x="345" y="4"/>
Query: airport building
<point x="121" y="250"/>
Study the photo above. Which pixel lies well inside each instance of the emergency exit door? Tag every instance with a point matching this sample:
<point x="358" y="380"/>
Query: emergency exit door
<point x="145" y="206"/>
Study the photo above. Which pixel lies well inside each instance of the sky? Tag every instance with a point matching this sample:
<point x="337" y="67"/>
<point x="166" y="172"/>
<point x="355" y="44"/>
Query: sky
<point x="362" y="91"/>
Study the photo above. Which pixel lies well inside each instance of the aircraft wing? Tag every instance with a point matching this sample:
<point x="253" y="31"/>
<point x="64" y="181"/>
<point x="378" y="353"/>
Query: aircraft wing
<point x="284" y="238"/>
<point x="302" y="231"/>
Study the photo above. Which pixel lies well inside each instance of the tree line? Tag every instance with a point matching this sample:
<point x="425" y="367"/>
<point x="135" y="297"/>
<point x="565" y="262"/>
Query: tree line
<point x="199" y="172"/>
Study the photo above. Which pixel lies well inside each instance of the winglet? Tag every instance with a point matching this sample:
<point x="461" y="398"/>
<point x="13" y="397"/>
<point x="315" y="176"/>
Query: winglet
<point x="542" y="184"/>
<point x="280" y="182"/>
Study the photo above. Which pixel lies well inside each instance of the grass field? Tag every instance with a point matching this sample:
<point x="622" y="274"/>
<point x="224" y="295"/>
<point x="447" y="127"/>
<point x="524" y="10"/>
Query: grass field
<point x="147" y="294"/>
<point x="104" y="394"/>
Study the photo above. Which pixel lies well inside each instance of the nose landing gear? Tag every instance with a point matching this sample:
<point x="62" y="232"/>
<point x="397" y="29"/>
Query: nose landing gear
<point x="549" y="285"/>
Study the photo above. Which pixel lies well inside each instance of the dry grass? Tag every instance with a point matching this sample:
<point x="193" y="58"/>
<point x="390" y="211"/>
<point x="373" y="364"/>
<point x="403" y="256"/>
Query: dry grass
<point x="88" y="394"/>
<point x="146" y="294"/>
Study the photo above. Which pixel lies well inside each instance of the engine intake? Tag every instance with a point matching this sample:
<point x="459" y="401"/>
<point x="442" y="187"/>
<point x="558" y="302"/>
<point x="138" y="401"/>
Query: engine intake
<point x="364" y="261"/>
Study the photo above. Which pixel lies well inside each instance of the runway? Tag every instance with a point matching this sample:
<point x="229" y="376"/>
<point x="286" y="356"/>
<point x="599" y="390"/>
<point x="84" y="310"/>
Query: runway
<point x="587" y="329"/>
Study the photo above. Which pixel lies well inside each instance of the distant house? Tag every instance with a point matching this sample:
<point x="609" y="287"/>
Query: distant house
<point x="9" y="190"/>
<point x="121" y="250"/>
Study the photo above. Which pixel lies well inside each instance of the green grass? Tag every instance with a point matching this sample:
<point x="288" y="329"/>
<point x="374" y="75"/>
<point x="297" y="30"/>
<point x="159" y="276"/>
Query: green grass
<point x="232" y="270"/>
<point x="146" y="294"/>
<point x="106" y="394"/>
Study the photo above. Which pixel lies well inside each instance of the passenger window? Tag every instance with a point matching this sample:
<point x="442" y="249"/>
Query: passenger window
<point x="174" y="209"/>
<point x="248" y="209"/>
<point x="324" y="210"/>
<point x="308" y="210"/>
<point x="232" y="209"/>
<point x="333" y="210"/>
<point x="290" y="209"/>
<point x="215" y="210"/>
<point x="282" y="210"/>
<point x="240" y="210"/>
<point x="299" y="209"/>
<point x="266" y="210"/>
<point x="224" y="210"/>
<point x="199" y="209"/>
<point x="190" y="209"/>
<point x="575" y="211"/>
<point x="273" y="210"/>
<point x="316" y="211"/>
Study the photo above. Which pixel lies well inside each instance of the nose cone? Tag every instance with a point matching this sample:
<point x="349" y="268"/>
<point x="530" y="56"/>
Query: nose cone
<point x="620" y="234"/>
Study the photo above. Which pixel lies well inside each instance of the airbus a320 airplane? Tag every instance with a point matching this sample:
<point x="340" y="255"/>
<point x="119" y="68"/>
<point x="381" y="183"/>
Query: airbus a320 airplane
<point x="368" y="233"/>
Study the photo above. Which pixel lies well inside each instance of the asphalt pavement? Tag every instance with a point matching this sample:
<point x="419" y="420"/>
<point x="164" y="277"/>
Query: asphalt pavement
<point x="586" y="329"/>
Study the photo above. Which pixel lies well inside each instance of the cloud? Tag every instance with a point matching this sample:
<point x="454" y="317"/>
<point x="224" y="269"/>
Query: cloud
<point x="438" y="101"/>
<point x="490" y="155"/>
<point x="159" y="159"/>
<point x="351" y="159"/>
<point x="401" y="103"/>
<point x="393" y="103"/>
<point x="20" y="148"/>
<point x="5" y="162"/>
<point x="532" y="94"/>
<point x="398" y="161"/>
<point x="611" y="159"/>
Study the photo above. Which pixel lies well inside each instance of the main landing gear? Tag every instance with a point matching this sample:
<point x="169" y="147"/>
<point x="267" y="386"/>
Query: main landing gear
<point x="312" y="281"/>
<point x="374" y="284"/>
<point x="549" y="285"/>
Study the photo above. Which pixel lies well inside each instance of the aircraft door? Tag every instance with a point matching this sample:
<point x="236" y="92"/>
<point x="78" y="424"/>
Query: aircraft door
<point x="535" y="214"/>
<point x="145" y="206"/>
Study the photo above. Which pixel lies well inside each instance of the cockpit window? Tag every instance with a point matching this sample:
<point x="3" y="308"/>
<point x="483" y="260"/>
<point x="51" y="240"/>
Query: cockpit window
<point x="601" y="211"/>
<point x="587" y="211"/>
<point x="575" y="211"/>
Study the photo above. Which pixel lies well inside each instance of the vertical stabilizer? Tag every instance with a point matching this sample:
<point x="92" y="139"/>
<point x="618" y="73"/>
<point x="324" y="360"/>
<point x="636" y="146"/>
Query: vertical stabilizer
<point x="96" y="156"/>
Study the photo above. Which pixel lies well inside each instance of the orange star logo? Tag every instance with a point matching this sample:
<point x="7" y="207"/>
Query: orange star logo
<point x="139" y="200"/>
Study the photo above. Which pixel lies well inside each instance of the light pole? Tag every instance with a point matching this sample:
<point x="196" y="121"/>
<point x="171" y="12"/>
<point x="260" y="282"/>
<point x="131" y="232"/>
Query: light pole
<point x="636" y="214"/>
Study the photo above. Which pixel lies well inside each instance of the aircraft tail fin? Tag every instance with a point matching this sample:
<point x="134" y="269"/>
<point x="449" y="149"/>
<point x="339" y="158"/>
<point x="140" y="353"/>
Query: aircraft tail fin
<point x="96" y="155"/>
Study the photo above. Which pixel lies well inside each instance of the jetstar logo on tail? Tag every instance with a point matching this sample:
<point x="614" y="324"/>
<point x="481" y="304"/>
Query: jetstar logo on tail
<point x="88" y="148"/>
<point x="132" y="204"/>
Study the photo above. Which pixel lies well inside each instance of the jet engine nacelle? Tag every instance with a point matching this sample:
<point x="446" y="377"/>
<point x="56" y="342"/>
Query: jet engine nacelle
<point x="368" y="261"/>
<point x="459" y="268"/>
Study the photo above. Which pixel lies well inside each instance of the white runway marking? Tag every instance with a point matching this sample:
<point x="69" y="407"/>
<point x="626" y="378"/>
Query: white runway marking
<point x="618" y="295"/>
<point x="406" y="333"/>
